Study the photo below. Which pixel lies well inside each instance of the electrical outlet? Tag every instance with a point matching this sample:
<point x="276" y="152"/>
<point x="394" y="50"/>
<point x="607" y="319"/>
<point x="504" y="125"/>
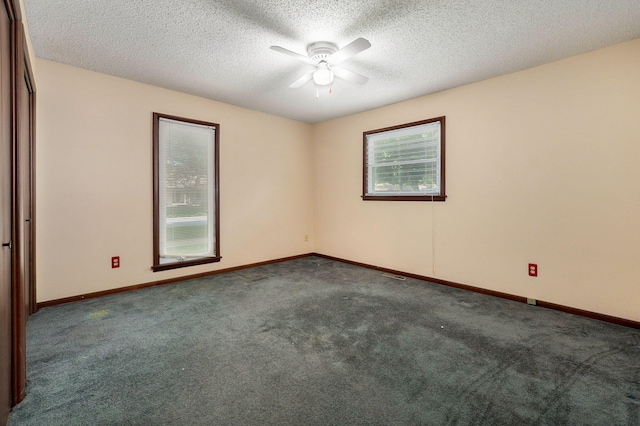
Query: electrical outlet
<point x="306" y="237"/>
<point x="115" y="262"/>
<point x="533" y="269"/>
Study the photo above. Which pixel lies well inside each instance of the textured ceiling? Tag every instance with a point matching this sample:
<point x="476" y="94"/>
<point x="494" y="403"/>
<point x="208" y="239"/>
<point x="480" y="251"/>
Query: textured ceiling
<point x="220" y="49"/>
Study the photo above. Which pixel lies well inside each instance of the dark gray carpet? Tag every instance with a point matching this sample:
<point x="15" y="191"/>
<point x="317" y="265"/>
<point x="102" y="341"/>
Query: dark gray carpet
<point x="318" y="342"/>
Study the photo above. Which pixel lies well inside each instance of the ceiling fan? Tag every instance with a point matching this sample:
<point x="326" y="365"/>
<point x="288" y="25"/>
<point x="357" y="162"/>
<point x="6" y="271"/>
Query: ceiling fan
<point x="325" y="58"/>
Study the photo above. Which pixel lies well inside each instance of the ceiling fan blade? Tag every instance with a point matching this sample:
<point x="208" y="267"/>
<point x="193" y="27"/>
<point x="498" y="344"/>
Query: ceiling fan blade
<point x="302" y="80"/>
<point x="293" y="54"/>
<point x="355" y="47"/>
<point x="350" y="76"/>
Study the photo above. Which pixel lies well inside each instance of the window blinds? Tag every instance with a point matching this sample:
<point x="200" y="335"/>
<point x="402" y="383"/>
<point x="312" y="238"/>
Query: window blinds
<point x="186" y="190"/>
<point x="404" y="161"/>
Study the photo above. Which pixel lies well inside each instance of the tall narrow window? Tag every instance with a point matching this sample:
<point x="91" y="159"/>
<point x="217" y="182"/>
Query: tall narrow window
<point x="405" y="163"/>
<point x="186" y="194"/>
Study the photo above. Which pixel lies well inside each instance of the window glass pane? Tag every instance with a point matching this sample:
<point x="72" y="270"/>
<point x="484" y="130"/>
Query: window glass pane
<point x="418" y="178"/>
<point x="186" y="201"/>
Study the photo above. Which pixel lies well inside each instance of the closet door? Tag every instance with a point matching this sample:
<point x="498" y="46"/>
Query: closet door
<point x="22" y="247"/>
<point x="17" y="285"/>
<point x="6" y="167"/>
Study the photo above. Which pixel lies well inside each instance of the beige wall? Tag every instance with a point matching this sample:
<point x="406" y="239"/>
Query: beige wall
<point x="543" y="166"/>
<point x="94" y="181"/>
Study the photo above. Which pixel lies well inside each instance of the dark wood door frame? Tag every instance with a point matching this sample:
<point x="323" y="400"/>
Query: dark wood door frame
<point x="30" y="221"/>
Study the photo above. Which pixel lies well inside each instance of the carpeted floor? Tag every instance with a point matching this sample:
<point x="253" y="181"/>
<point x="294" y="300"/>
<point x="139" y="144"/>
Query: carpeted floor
<point x="317" y="342"/>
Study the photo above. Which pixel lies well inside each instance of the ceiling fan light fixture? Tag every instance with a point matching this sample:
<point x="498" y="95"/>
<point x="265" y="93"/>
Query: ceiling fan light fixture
<point x="323" y="76"/>
<point x="326" y="57"/>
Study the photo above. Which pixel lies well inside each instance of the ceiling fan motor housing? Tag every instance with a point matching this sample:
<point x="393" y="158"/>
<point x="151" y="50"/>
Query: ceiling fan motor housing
<point x="321" y="50"/>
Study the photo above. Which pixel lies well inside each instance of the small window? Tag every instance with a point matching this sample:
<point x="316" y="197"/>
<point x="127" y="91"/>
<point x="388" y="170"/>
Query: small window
<point x="185" y="193"/>
<point x="405" y="163"/>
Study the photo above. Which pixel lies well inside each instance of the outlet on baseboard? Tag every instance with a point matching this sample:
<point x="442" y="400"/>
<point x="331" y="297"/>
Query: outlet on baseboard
<point x="531" y="301"/>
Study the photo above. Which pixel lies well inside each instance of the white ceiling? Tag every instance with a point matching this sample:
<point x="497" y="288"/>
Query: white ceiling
<point x="220" y="49"/>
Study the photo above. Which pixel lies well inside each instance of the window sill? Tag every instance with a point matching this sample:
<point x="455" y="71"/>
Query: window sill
<point x="185" y="263"/>
<point x="404" y="197"/>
